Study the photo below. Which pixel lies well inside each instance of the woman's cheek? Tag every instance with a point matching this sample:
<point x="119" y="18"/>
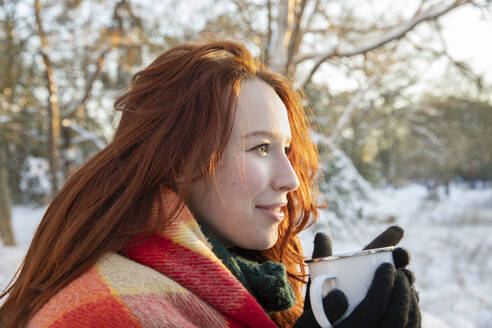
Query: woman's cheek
<point x="256" y="175"/>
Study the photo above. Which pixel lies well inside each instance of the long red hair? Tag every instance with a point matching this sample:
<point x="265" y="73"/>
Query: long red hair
<point x="176" y="120"/>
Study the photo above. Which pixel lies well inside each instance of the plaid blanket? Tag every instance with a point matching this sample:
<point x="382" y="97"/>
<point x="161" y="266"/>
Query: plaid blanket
<point x="172" y="279"/>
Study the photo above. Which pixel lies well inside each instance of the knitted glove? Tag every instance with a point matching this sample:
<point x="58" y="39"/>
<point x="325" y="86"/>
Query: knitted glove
<point x="391" y="300"/>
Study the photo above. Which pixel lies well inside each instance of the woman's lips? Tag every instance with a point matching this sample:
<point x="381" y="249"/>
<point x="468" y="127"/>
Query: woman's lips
<point x="272" y="211"/>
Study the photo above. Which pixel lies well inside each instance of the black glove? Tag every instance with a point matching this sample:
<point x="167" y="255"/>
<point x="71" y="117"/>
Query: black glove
<point x="391" y="300"/>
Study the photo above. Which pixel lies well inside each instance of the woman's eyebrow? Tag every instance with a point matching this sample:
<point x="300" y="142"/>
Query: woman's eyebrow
<point x="268" y="134"/>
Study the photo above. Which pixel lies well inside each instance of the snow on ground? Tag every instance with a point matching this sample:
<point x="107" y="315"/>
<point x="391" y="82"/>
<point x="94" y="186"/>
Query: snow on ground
<point x="24" y="222"/>
<point x="449" y="241"/>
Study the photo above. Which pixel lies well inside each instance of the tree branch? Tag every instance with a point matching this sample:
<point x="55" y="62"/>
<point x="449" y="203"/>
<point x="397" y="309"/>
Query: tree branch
<point x="391" y="36"/>
<point x="309" y="21"/>
<point x="245" y="17"/>
<point x="462" y="66"/>
<point x="84" y="135"/>
<point x="285" y="22"/>
<point x="115" y="40"/>
<point x="349" y="111"/>
<point x="296" y="38"/>
<point x="269" y="33"/>
<point x="76" y="104"/>
<point x="419" y="8"/>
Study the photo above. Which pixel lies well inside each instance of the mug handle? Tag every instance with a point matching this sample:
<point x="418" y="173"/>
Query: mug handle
<point x="316" y="298"/>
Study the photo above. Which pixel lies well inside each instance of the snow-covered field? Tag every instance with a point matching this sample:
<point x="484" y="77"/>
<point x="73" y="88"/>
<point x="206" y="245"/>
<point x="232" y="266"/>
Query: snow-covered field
<point x="449" y="241"/>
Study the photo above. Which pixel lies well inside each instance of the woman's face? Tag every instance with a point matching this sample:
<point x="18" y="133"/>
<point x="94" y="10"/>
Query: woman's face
<point x="242" y="206"/>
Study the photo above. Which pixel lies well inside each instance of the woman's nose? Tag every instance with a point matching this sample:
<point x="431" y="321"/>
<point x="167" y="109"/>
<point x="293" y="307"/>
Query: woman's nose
<point x="285" y="176"/>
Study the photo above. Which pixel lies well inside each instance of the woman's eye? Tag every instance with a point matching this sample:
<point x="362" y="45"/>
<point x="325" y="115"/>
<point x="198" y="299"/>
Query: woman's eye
<point x="263" y="149"/>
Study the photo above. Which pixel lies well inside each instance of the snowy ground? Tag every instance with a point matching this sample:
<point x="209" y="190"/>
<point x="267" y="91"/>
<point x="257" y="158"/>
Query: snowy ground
<point x="449" y="241"/>
<point x="24" y="221"/>
<point x="450" y="244"/>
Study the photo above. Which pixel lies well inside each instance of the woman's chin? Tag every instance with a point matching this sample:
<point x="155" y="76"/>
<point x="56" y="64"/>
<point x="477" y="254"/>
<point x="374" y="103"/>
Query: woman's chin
<point x="261" y="245"/>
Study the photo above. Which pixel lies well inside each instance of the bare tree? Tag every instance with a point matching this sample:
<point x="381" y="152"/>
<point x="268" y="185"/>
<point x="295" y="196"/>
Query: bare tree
<point x="53" y="105"/>
<point x="393" y="35"/>
<point x="6" y="232"/>
<point x="301" y="36"/>
<point x="84" y="64"/>
<point x="61" y="115"/>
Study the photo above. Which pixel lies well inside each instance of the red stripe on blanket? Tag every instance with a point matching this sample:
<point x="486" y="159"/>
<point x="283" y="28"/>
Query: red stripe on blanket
<point x="175" y="309"/>
<point x="204" y="277"/>
<point x="106" y="312"/>
<point x="85" y="294"/>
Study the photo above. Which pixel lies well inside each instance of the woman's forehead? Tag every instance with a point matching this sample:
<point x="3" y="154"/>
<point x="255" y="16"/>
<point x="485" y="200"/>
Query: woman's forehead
<point x="260" y="111"/>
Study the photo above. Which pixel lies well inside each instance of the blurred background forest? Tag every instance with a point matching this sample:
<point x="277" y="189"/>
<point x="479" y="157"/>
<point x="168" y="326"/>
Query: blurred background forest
<point x="388" y="95"/>
<point x="393" y="102"/>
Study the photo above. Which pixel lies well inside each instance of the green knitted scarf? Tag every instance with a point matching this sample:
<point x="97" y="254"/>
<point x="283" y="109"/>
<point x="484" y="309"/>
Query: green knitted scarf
<point x="266" y="281"/>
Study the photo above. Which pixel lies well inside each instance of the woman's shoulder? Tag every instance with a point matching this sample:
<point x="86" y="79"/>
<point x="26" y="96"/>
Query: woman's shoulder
<point x="117" y="292"/>
<point x="125" y="276"/>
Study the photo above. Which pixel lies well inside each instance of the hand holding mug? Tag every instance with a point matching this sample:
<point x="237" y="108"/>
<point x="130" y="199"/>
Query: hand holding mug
<point x="390" y="301"/>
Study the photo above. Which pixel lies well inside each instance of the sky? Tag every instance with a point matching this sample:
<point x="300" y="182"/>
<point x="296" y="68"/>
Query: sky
<point x="468" y="34"/>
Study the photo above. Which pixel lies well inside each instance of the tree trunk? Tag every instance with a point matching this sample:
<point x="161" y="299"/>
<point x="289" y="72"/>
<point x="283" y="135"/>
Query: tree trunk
<point x="278" y="49"/>
<point x="6" y="232"/>
<point x="54" y="130"/>
<point x="53" y="106"/>
<point x="393" y="162"/>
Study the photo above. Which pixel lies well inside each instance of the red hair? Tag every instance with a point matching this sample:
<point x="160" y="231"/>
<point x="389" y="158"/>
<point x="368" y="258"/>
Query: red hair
<point x="177" y="118"/>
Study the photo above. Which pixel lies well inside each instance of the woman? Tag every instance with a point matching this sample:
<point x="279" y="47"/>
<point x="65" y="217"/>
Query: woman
<point x="190" y="216"/>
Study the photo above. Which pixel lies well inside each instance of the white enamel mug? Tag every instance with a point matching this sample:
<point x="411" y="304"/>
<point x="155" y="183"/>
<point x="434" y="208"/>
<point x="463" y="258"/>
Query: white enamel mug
<point x="352" y="273"/>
